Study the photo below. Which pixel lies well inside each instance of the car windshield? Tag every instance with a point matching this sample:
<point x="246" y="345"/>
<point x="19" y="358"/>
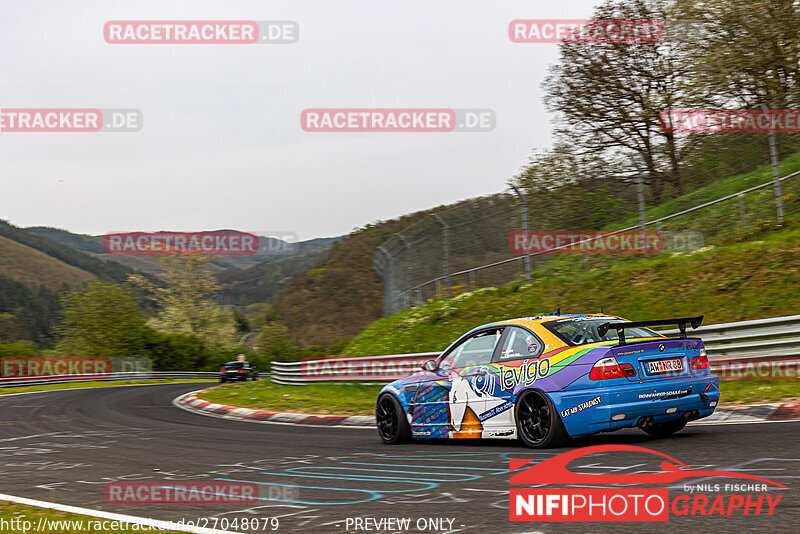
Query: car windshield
<point x="580" y="331"/>
<point x="234" y="365"/>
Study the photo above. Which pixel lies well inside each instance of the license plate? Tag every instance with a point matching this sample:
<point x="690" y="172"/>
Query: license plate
<point x="665" y="366"/>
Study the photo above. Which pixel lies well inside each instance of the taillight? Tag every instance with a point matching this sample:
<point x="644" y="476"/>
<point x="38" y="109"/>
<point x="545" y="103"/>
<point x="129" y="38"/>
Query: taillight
<point x="242" y="370"/>
<point x="609" y="368"/>
<point x="700" y="362"/>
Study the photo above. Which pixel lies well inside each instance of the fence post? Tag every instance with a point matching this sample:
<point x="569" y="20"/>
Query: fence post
<point x="407" y="292"/>
<point x="742" y="213"/>
<point x="386" y="274"/>
<point x="524" y="213"/>
<point x="640" y="200"/>
<point x="776" y="177"/>
<point x="445" y="252"/>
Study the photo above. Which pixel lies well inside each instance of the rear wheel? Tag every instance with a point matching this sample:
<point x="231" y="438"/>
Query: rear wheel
<point x="222" y="380"/>
<point x="662" y="430"/>
<point x="393" y="427"/>
<point x="538" y="424"/>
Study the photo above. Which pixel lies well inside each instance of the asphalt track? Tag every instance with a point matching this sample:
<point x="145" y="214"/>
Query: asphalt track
<point x="64" y="446"/>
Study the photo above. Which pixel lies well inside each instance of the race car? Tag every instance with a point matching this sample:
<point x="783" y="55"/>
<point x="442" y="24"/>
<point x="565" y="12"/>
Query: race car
<point x="238" y="371"/>
<point x="543" y="379"/>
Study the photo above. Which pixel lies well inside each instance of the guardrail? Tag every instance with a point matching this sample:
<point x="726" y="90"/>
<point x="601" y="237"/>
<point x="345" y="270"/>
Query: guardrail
<point x="758" y="349"/>
<point x="368" y="369"/>
<point x="137" y="375"/>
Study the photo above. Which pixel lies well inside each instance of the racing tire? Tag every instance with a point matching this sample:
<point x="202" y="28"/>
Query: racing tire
<point x="393" y="427"/>
<point x="663" y="430"/>
<point x="538" y="424"/>
<point x="222" y="380"/>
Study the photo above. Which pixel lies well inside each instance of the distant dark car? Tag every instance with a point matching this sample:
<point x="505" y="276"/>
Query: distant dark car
<point x="241" y="371"/>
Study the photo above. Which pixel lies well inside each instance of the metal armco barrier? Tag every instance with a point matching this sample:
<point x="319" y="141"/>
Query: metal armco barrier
<point x="141" y="375"/>
<point x="369" y="369"/>
<point x="758" y="349"/>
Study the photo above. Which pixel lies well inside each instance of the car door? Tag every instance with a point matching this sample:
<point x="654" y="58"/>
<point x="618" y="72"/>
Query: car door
<point x="518" y="347"/>
<point x="446" y="403"/>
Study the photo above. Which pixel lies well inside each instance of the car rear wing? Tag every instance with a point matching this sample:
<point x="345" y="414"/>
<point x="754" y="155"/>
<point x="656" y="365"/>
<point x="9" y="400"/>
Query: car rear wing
<point x="620" y="327"/>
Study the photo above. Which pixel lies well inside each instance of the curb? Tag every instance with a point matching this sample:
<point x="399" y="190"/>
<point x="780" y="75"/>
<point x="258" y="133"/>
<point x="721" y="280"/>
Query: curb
<point x="751" y="413"/>
<point x="191" y="403"/>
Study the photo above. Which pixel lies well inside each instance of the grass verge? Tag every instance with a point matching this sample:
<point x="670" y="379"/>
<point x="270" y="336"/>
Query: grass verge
<point x="90" y="384"/>
<point x="55" y="522"/>
<point x="335" y="398"/>
<point x="755" y="392"/>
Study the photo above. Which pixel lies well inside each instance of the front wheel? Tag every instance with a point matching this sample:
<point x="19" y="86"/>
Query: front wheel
<point x="393" y="427"/>
<point x="663" y="430"/>
<point x="538" y="424"/>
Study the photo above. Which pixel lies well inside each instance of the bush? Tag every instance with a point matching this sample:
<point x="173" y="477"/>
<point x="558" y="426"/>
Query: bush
<point x="18" y="348"/>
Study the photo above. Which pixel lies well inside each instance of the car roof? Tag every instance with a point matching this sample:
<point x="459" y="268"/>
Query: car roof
<point x="539" y="319"/>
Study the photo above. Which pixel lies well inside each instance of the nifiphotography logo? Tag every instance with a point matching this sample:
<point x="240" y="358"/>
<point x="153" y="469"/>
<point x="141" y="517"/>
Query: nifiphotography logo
<point x="612" y="497"/>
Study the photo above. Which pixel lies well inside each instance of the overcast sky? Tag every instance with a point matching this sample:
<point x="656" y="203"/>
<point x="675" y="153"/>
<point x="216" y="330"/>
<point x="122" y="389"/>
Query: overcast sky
<point x="222" y="146"/>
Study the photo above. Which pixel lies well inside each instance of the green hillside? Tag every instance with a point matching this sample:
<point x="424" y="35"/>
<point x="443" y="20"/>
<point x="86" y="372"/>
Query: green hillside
<point x="101" y="269"/>
<point x="756" y="278"/>
<point x="270" y="249"/>
<point x="341" y="294"/>
<point x="30" y="266"/>
<point x="33" y="271"/>
<point x="260" y="283"/>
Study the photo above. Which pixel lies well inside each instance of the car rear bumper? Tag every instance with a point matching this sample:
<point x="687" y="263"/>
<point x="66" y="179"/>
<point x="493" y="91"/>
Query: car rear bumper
<point x="588" y="411"/>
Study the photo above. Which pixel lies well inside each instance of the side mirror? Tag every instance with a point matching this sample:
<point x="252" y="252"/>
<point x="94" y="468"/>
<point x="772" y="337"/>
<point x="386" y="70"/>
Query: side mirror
<point x="430" y="365"/>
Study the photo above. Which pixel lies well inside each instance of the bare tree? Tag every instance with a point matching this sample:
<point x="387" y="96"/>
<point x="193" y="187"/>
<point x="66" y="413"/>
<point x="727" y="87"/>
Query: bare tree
<point x="609" y="96"/>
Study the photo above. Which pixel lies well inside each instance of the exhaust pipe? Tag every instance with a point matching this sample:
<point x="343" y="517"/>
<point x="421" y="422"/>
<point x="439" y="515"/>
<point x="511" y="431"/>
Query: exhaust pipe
<point x="645" y="422"/>
<point x="691" y="415"/>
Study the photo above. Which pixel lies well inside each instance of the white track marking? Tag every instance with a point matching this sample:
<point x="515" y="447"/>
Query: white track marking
<point x="153" y="523"/>
<point x="2" y="396"/>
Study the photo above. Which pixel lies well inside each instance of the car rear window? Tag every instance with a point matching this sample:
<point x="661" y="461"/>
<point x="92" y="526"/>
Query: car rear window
<point x="234" y="365"/>
<point x="582" y="331"/>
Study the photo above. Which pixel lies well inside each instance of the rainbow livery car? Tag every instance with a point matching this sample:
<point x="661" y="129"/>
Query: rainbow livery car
<point x="543" y="379"/>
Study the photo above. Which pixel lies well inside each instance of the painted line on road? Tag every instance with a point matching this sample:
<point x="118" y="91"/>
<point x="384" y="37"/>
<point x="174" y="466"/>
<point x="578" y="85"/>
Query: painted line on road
<point x="133" y="520"/>
<point x="4" y="395"/>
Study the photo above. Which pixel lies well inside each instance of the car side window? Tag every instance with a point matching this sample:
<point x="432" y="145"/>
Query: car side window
<point x="476" y="350"/>
<point x="520" y="343"/>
